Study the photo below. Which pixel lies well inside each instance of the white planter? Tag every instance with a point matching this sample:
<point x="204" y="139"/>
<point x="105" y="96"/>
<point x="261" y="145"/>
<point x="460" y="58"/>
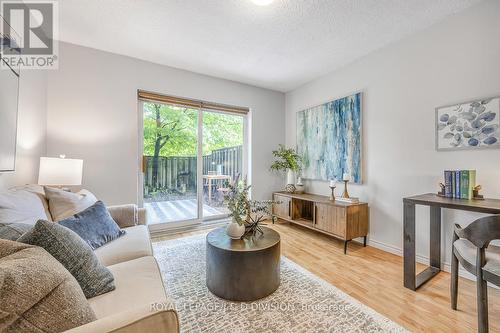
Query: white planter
<point x="234" y="230"/>
<point x="290" y="177"/>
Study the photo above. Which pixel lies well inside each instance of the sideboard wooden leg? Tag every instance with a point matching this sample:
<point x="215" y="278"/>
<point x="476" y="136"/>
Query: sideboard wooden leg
<point x="345" y="246"/>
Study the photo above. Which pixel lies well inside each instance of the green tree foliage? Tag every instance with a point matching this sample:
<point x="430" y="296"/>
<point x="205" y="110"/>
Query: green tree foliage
<point x="173" y="131"/>
<point x="220" y="131"/>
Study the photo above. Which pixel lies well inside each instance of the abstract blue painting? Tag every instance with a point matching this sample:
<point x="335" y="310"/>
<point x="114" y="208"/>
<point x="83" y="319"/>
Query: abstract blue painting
<point x="329" y="139"/>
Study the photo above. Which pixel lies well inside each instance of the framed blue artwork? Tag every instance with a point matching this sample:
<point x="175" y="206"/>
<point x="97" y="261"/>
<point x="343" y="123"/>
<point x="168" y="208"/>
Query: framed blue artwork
<point x="329" y="139"/>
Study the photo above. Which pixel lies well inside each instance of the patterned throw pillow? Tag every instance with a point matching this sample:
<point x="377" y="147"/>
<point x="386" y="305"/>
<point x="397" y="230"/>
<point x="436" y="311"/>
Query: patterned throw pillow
<point x="74" y="254"/>
<point x="63" y="204"/>
<point x="94" y="225"/>
<point x="37" y="293"/>
<point x="12" y="231"/>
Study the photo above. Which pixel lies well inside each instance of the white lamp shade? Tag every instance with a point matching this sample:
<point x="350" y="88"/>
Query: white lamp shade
<point x="60" y="171"/>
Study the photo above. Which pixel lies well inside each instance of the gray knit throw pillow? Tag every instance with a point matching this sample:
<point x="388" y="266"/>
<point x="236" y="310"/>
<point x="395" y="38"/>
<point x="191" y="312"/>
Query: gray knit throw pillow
<point x="74" y="254"/>
<point x="12" y="231"/>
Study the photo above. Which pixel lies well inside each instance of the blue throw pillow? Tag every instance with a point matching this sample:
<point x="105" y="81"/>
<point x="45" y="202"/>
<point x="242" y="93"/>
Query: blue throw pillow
<point x="94" y="225"/>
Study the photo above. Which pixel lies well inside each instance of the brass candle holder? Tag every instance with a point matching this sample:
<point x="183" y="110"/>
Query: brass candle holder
<point x="332" y="196"/>
<point x="345" y="194"/>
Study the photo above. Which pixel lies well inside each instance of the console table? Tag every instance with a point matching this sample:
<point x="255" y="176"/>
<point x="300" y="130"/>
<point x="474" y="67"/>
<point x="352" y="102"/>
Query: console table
<point x="341" y="220"/>
<point x="435" y="203"/>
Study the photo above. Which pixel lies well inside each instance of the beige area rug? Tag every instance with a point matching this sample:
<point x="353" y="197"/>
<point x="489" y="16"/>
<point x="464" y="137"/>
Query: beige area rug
<point x="303" y="302"/>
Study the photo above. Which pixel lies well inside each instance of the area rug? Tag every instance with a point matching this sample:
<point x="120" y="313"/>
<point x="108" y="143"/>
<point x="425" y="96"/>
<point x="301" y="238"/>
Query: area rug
<point x="303" y="302"/>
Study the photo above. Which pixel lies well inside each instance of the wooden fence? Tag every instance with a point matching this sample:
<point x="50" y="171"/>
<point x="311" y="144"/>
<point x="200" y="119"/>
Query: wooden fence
<point x="177" y="173"/>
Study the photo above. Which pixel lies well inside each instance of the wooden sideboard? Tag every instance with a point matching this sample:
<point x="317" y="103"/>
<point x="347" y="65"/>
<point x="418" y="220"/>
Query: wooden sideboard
<point x="341" y="220"/>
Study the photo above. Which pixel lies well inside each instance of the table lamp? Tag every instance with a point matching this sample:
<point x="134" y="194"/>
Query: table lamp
<point x="60" y="171"/>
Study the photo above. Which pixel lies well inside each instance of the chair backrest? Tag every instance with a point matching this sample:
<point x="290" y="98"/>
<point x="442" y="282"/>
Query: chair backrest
<point x="482" y="231"/>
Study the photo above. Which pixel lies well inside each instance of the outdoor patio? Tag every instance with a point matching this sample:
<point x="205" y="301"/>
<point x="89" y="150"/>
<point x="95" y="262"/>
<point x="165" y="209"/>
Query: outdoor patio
<point x="178" y="210"/>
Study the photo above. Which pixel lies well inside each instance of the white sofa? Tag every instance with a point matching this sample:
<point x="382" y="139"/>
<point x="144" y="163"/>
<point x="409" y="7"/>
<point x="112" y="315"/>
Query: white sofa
<point x="139" y="302"/>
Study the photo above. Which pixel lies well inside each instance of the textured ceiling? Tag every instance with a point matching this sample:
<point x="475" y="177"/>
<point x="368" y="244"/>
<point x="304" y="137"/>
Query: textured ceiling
<point x="280" y="46"/>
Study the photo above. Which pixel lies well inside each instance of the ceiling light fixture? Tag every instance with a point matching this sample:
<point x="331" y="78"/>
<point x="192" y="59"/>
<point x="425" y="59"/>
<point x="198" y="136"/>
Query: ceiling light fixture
<point x="262" y="2"/>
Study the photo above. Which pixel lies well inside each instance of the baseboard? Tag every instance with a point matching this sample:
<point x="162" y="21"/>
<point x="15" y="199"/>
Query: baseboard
<point x="445" y="266"/>
<point x="192" y="228"/>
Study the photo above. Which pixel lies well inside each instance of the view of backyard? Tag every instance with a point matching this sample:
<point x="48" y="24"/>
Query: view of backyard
<point x="170" y="158"/>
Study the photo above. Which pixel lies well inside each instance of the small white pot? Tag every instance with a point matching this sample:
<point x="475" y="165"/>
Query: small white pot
<point x="234" y="230"/>
<point x="290" y="177"/>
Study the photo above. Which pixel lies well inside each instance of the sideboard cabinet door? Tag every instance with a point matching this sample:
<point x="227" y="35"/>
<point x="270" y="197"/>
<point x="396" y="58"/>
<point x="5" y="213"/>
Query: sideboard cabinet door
<point x="283" y="208"/>
<point x="331" y="219"/>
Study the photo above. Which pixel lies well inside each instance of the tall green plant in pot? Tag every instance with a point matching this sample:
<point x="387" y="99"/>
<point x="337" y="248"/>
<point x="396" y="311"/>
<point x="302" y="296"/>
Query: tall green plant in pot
<point x="288" y="161"/>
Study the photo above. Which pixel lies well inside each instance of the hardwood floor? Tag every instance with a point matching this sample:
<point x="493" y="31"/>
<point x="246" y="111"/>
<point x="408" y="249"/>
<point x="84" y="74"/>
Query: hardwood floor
<point x="375" y="278"/>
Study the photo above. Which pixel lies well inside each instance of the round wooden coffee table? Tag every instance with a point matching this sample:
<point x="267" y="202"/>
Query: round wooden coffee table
<point x="243" y="270"/>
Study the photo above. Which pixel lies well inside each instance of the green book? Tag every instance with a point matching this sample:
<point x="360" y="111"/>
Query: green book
<point x="472" y="181"/>
<point x="464" y="184"/>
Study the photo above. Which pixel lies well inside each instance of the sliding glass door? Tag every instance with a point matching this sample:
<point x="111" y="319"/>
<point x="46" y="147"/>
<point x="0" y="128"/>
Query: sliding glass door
<point x="189" y="156"/>
<point x="223" y="146"/>
<point x="170" y="162"/>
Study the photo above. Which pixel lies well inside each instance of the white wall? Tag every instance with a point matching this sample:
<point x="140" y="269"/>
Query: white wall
<point x="31" y="130"/>
<point x="454" y="61"/>
<point x="92" y="114"/>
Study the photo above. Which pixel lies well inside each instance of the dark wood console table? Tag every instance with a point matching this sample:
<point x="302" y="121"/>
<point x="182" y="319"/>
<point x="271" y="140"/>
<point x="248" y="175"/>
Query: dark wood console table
<point x="435" y="203"/>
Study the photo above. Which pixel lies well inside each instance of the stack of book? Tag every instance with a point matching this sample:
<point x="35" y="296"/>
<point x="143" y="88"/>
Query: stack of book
<point x="348" y="200"/>
<point x="459" y="183"/>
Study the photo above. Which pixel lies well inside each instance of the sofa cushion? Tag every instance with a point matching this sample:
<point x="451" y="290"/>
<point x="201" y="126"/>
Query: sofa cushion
<point x="13" y="231"/>
<point x="137" y="281"/>
<point x="38" y="294"/>
<point x="72" y="251"/>
<point x="94" y="225"/>
<point x="63" y="204"/>
<point x="22" y="206"/>
<point x="134" y="244"/>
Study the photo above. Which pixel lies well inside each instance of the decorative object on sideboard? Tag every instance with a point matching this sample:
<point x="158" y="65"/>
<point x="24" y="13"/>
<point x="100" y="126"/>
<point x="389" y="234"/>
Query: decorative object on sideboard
<point x="470" y="125"/>
<point x="329" y="139"/>
<point x="475" y="193"/>
<point x="299" y="187"/>
<point x="287" y="160"/>
<point x="348" y="200"/>
<point x="290" y="188"/>
<point x="59" y="172"/>
<point x="460" y="184"/>
<point x="442" y="191"/>
<point x="332" y="186"/>
<point x="345" y="178"/>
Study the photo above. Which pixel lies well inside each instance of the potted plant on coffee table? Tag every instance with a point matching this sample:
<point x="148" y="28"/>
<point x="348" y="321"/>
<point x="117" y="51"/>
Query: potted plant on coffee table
<point x="247" y="215"/>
